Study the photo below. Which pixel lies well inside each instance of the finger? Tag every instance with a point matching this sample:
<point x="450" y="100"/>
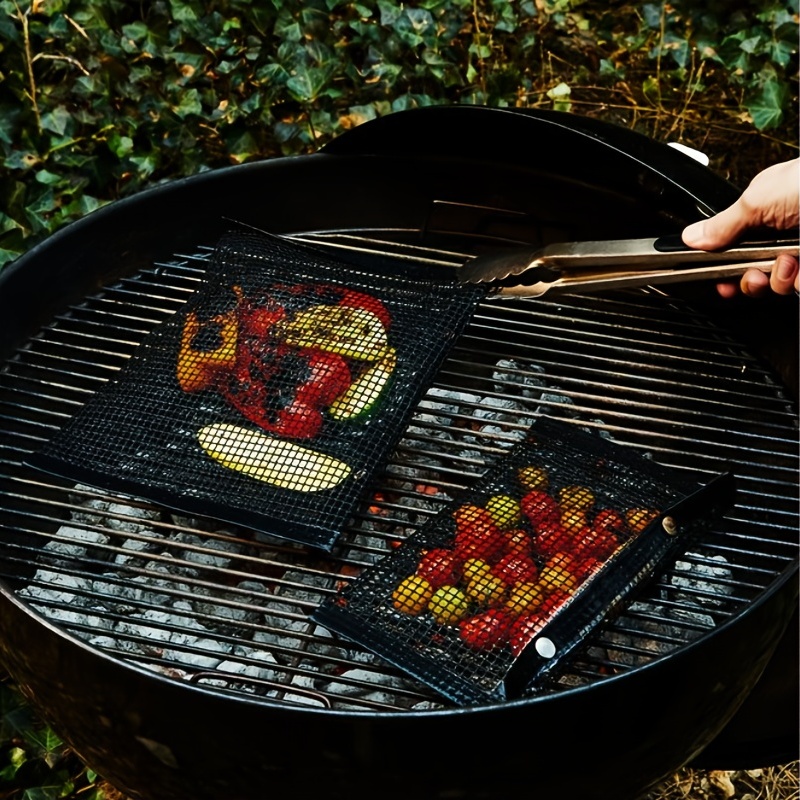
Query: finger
<point x="717" y="231"/>
<point x="727" y="289"/>
<point x="754" y="283"/>
<point x="783" y="277"/>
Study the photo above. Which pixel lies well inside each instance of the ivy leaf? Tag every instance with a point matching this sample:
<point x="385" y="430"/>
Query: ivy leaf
<point x="47" y="742"/>
<point x="190" y="104"/>
<point x="750" y="45"/>
<point x="243" y="147"/>
<point x="307" y="84"/>
<point x="781" y="51"/>
<point x="57" y="120"/>
<point x="611" y="71"/>
<point x="135" y="31"/>
<point x="766" y="106"/>
<point x="21" y="159"/>
<point x="6" y="257"/>
<point x="182" y="12"/>
<point x="16" y="756"/>
<point x="146" y="165"/>
<point x="59" y="787"/>
<point x="652" y="15"/>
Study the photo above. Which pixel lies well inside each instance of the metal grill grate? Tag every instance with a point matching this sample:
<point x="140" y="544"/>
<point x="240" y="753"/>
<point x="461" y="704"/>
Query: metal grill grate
<point x="200" y="601"/>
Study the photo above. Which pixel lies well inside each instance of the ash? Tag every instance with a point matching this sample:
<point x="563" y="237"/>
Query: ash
<point x="197" y="600"/>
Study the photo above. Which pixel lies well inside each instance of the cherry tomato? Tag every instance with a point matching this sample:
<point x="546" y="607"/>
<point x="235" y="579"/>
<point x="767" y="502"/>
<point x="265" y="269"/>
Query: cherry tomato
<point x="487" y="590"/>
<point x="439" y="567"/>
<point x="518" y="542"/>
<point x="585" y="568"/>
<point x="532" y="477"/>
<point x="504" y="510"/>
<point x="553" y="602"/>
<point x="552" y="538"/>
<point x="476" y="517"/>
<point x="524" y="630"/>
<point x="475" y="567"/>
<point x="639" y="518"/>
<point x="448" y="604"/>
<point x="412" y="595"/>
<point x="540" y="508"/>
<point x="574" y="520"/>
<point x="514" y="568"/>
<point x="577" y="498"/>
<point x="558" y="573"/>
<point x="608" y="519"/>
<point x="477" y="535"/>
<point x="486" y="630"/>
<point x="597" y="544"/>
<point x="524" y="598"/>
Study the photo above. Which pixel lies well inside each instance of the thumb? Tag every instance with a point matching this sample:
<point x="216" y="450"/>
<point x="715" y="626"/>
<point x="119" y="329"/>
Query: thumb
<point x="717" y="231"/>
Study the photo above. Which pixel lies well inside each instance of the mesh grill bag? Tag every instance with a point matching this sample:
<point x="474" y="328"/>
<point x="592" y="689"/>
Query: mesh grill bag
<point x="274" y="395"/>
<point x="488" y="598"/>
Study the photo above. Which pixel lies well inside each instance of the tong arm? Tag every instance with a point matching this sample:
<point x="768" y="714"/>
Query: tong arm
<point x="660" y="252"/>
<point x="546" y="279"/>
<point x="645" y="254"/>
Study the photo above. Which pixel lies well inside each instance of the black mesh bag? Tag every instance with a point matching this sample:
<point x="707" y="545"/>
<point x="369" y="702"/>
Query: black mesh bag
<point x="493" y="593"/>
<point x="273" y="396"/>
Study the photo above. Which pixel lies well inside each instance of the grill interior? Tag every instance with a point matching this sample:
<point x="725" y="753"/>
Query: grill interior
<point x="199" y="601"/>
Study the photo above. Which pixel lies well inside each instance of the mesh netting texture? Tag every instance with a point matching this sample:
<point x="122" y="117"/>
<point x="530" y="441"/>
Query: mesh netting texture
<point x="271" y="399"/>
<point x="494" y="591"/>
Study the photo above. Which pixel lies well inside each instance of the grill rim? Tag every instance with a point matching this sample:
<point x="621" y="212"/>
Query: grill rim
<point x="781" y="582"/>
<point x="106" y="295"/>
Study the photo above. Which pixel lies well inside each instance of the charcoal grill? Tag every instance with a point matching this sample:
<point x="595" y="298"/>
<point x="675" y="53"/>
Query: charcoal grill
<point x="175" y="653"/>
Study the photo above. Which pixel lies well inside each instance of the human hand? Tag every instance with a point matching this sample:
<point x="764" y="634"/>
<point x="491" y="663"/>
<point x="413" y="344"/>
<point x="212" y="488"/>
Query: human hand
<point x="772" y="199"/>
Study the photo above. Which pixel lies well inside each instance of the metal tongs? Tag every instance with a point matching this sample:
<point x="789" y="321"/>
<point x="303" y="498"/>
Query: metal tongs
<point x="617" y="263"/>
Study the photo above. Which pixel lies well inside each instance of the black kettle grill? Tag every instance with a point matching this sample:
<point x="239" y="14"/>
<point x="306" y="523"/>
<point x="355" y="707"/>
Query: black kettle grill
<point x="175" y="653"/>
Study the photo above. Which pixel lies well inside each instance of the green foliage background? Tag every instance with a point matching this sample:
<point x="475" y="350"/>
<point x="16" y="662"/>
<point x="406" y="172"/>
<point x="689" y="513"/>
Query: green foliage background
<point x="100" y="98"/>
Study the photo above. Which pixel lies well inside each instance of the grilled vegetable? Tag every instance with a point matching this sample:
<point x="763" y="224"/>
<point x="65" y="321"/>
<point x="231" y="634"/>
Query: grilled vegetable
<point x="485" y="630"/>
<point x="284" y="390"/>
<point x="439" y="567"/>
<point x="362" y="395"/>
<point x="448" y="605"/>
<point x="504" y="510"/>
<point x="206" y="349"/>
<point x="281" y="463"/>
<point x="412" y="595"/>
<point x="346" y="330"/>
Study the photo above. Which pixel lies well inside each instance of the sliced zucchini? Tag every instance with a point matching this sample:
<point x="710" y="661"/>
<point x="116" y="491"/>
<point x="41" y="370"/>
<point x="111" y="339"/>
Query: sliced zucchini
<point x="346" y="330"/>
<point x="362" y="395"/>
<point x="275" y="461"/>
